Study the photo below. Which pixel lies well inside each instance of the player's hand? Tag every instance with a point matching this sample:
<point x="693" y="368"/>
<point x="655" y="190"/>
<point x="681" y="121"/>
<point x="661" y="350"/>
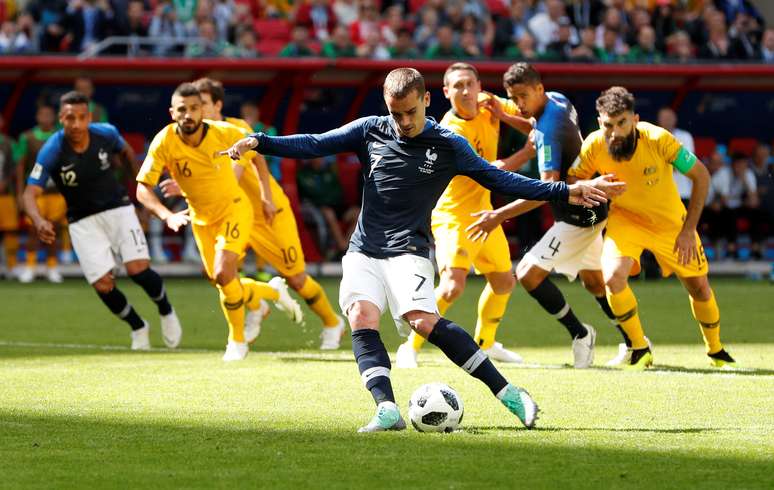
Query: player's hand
<point x="170" y="188"/>
<point x="269" y="211"/>
<point x="530" y="145"/>
<point x="483" y="226"/>
<point x="493" y="105"/>
<point x="586" y="195"/>
<point x="685" y="247"/>
<point x="175" y="221"/>
<point x="607" y="184"/>
<point x="46" y="232"/>
<point x="240" y="148"/>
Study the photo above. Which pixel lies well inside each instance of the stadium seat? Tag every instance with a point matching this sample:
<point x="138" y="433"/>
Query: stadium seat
<point x="745" y="146"/>
<point x="704" y="147"/>
<point x="275" y="29"/>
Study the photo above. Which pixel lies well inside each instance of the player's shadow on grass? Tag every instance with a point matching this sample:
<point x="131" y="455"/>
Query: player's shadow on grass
<point x="483" y="429"/>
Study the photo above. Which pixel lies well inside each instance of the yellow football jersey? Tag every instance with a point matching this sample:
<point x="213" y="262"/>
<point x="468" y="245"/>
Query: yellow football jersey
<point x="651" y="198"/>
<point x="463" y="195"/>
<point x="206" y="179"/>
<point x="250" y="180"/>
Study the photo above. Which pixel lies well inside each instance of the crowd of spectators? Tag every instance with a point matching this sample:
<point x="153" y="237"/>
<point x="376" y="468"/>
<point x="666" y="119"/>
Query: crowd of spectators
<point x="606" y="31"/>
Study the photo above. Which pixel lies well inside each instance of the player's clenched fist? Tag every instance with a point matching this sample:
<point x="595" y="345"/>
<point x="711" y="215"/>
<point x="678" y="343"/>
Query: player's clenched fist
<point x="241" y="147"/>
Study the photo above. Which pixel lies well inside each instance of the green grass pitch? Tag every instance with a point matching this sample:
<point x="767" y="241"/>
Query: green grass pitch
<point x="79" y="410"/>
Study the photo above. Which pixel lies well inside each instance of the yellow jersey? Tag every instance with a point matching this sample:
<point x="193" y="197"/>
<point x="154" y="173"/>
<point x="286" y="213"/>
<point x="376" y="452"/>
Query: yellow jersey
<point x="250" y="180"/>
<point x="206" y="179"/>
<point x="651" y="199"/>
<point x="463" y="195"/>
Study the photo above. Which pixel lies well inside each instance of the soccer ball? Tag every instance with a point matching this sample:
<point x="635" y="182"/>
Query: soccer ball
<point x="435" y="407"/>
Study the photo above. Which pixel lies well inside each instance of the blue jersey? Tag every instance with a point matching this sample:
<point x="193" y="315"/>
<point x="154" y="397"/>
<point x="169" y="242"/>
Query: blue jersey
<point x="86" y="180"/>
<point x="558" y="143"/>
<point x="404" y="177"/>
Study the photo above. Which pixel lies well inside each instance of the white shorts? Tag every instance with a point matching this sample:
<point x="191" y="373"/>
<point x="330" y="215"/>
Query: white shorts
<point x="100" y="238"/>
<point x="568" y="249"/>
<point x="404" y="283"/>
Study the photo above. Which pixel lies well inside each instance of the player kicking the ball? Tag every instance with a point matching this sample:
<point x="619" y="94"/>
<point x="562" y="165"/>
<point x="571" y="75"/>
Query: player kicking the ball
<point x="408" y="160"/>
<point x="101" y="219"/>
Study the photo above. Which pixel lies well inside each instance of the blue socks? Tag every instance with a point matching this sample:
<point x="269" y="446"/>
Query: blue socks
<point x="373" y="363"/>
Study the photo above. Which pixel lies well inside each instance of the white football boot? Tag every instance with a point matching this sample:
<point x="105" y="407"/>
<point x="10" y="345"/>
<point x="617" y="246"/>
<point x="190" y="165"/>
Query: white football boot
<point x="141" y="338"/>
<point x="235" y="351"/>
<point x="26" y="274"/>
<point x="624" y="355"/>
<point x="285" y="302"/>
<point x="406" y="357"/>
<point x="583" y="348"/>
<point x="254" y="320"/>
<point x="54" y="276"/>
<point x="499" y="353"/>
<point x="331" y="336"/>
<point x="171" y="330"/>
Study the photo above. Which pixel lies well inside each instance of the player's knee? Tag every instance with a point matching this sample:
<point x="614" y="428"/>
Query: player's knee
<point x="422" y="322"/>
<point x="615" y="283"/>
<point x="224" y="276"/>
<point x="297" y="281"/>
<point x="593" y="284"/>
<point x="501" y="282"/>
<point x="135" y="267"/>
<point x="360" y="316"/>
<point x="104" y="284"/>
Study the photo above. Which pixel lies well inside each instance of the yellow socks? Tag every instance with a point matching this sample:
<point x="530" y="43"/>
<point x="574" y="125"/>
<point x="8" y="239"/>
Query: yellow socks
<point x="11" y="245"/>
<point x="491" y="308"/>
<point x="254" y="292"/>
<point x="707" y="314"/>
<point x="32" y="258"/>
<point x="315" y="297"/>
<point x="232" y="304"/>
<point x="624" y="306"/>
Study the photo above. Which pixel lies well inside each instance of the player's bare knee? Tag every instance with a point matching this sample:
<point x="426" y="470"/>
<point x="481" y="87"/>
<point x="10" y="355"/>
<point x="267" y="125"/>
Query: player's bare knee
<point x="529" y="275"/>
<point x="297" y="281"/>
<point x="501" y="282"/>
<point x="422" y="322"/>
<point x="593" y="282"/>
<point x="698" y="288"/>
<point x="361" y="316"/>
<point x="104" y="284"/>
<point x="615" y="283"/>
<point x="134" y="267"/>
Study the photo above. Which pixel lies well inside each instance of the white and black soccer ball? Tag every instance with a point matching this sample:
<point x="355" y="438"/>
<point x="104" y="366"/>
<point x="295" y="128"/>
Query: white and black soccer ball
<point x="435" y="407"/>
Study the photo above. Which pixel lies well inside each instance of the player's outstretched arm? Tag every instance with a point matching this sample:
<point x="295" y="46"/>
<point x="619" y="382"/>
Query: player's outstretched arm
<point x="348" y="138"/>
<point x="44" y="228"/>
<point x="148" y="198"/>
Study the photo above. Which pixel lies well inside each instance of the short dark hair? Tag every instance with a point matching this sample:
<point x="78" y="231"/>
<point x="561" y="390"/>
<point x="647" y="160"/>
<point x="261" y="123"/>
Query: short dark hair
<point x="615" y="101"/>
<point x="521" y="73"/>
<point x="400" y="82"/>
<point x="186" y="89"/>
<point x="212" y="87"/>
<point x="459" y="67"/>
<point x="73" y="97"/>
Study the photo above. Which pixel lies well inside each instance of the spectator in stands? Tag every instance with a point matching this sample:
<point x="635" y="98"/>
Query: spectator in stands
<point x="345" y="11"/>
<point x="165" y="24"/>
<point x="645" y="50"/>
<point x="663" y="20"/>
<point x="544" y="26"/>
<point x="736" y="188"/>
<point x="299" y="45"/>
<point x="86" y="87"/>
<point x="509" y="29"/>
<point x="680" y="47"/>
<point x="585" y="13"/>
<point x="469" y="45"/>
<point x="524" y="49"/>
<point x="445" y="46"/>
<point x="368" y="21"/>
<point x="586" y="50"/>
<point x="404" y="46"/>
<point x="394" y="21"/>
<point x="185" y="10"/>
<point x="13" y="40"/>
<point x="667" y="119"/>
<point x="767" y="46"/>
<point x="50" y="17"/>
<point x="134" y="24"/>
<point x="612" y="22"/>
<point x="339" y="45"/>
<point x="719" y="46"/>
<point x="223" y="14"/>
<point x="608" y="51"/>
<point x="763" y="167"/>
<point x="713" y="219"/>
<point x="318" y="17"/>
<point x="482" y="30"/>
<point x="247" y="44"/>
<point x="561" y="49"/>
<point x="373" y="47"/>
<point x="425" y="33"/>
<point x="208" y="45"/>
<point x="640" y="18"/>
<point x="452" y="14"/>
<point x="87" y="22"/>
<point x="323" y="197"/>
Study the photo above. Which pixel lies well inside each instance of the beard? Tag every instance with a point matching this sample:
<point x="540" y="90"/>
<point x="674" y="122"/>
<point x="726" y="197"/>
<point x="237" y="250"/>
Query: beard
<point x="189" y="129"/>
<point x="623" y="150"/>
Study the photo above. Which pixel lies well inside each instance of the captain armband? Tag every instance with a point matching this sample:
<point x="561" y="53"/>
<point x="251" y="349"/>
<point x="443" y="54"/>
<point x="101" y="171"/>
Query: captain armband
<point x="685" y="161"/>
